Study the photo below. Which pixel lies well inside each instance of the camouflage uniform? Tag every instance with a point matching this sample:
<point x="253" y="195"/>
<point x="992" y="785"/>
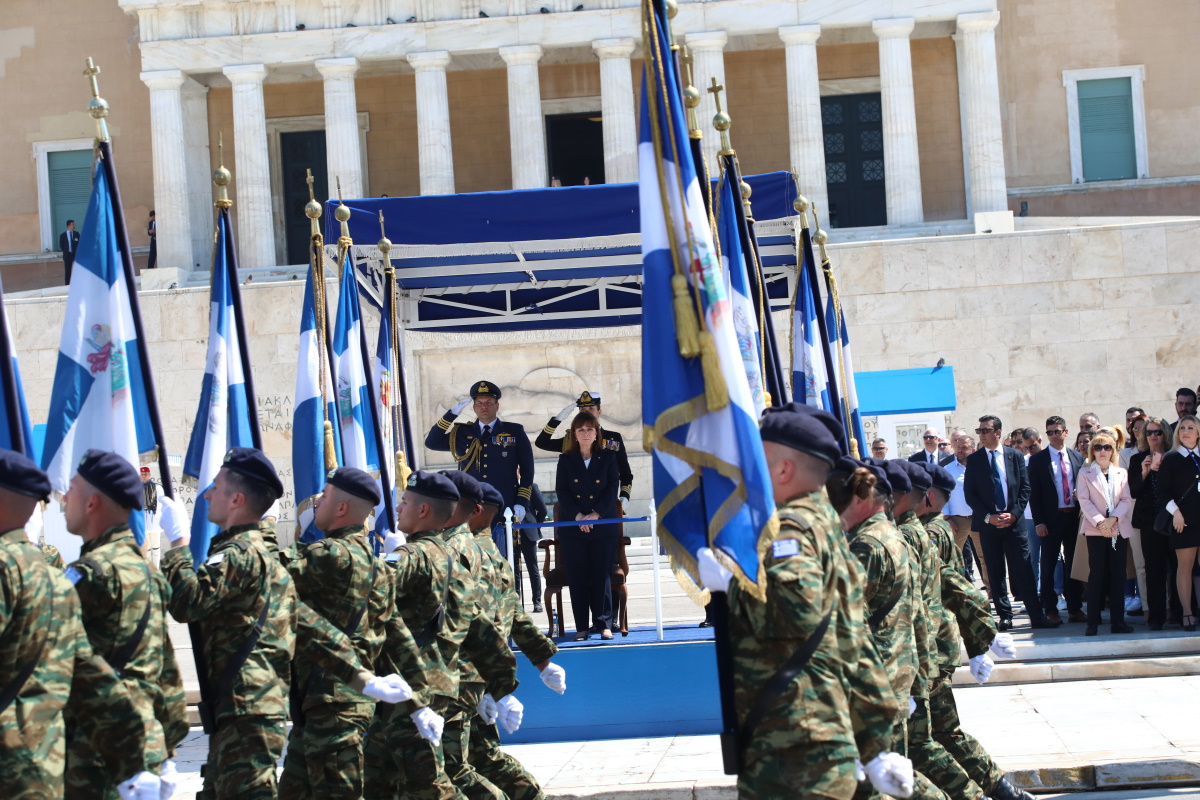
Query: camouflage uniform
<point x="53" y="557"/>
<point x="929" y="757"/>
<point x="117" y="590"/>
<point x="40" y="619"/>
<point x="806" y="744"/>
<point x="972" y="619"/>
<point x="340" y="578"/>
<point x="504" y="606"/>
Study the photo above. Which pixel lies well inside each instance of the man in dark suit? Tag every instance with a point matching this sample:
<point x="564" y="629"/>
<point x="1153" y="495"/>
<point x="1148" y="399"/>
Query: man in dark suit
<point x="931" y="454"/>
<point x="1052" y="474"/>
<point x="996" y="487"/>
<point x="68" y="243"/>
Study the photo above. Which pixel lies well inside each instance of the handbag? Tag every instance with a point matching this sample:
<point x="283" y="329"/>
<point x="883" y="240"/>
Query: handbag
<point x="1164" y="521"/>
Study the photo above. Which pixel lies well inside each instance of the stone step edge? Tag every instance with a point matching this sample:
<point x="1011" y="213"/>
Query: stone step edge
<point x="1100" y="669"/>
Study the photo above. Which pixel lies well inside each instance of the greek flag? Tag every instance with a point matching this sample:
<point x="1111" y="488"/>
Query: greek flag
<point x="16" y="432"/>
<point x="810" y="377"/>
<point x="387" y="414"/>
<point x="711" y="483"/>
<point x="99" y="396"/>
<point x="223" y="417"/>
<point x="308" y="420"/>
<point x="840" y="338"/>
<point x="745" y="318"/>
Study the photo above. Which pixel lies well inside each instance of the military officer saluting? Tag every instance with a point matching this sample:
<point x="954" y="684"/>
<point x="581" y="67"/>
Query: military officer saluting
<point x="124" y="615"/>
<point x="609" y="440"/>
<point x="488" y="449"/>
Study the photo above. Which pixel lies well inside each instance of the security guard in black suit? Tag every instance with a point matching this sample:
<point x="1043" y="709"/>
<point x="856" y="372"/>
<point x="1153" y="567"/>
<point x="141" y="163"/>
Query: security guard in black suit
<point x="488" y="449"/>
<point x="609" y="440"/>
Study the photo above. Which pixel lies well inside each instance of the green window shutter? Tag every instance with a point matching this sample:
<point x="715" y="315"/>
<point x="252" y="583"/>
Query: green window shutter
<point x="70" y="188"/>
<point x="1106" y="135"/>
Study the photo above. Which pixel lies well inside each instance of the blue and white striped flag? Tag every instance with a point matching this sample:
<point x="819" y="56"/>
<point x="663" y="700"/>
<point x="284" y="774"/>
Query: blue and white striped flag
<point x="711" y="483"/>
<point x="840" y="337"/>
<point x="223" y="417"/>
<point x="99" y="395"/>
<point x="308" y="420"/>
<point x="389" y="420"/>
<point x="14" y="413"/>
<point x="745" y="319"/>
<point x="810" y="377"/>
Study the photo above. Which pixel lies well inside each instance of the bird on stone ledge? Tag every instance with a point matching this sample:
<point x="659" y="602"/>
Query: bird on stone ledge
<point x="544" y="10"/>
<point x="483" y="15"/>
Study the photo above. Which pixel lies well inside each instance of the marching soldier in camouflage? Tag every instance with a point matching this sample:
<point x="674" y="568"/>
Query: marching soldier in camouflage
<point x="125" y="616"/>
<point x="340" y="578"/>
<point x="969" y="616"/>
<point x="608" y="440"/>
<point x="798" y="683"/>
<point x="47" y="661"/>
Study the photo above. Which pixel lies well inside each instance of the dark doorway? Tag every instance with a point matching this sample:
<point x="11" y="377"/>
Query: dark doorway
<point x="854" y="155"/>
<point x="575" y="143"/>
<point x="301" y="151"/>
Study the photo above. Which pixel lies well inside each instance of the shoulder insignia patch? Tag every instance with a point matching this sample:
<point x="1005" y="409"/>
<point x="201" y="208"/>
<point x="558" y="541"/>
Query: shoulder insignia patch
<point x="73" y="575"/>
<point x="217" y="559"/>
<point x="393" y="556"/>
<point x="785" y="548"/>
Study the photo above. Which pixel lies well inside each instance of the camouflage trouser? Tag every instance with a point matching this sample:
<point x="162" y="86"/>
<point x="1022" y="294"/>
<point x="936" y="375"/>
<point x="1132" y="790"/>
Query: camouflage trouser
<point x="931" y="759"/>
<point x="398" y="763"/>
<point x="92" y="782"/>
<point x="456" y="747"/>
<point x="948" y="732"/>
<point x="242" y="757"/>
<point x="802" y="771"/>
<point x="499" y="767"/>
<point x="923" y="789"/>
<point x="324" y="755"/>
<point x="27" y="774"/>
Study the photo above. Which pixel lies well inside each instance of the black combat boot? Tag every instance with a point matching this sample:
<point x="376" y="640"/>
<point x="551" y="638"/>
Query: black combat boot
<point x="1006" y="791"/>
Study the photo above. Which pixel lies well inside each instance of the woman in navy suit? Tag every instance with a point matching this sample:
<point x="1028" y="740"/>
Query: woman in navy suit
<point x="587" y="486"/>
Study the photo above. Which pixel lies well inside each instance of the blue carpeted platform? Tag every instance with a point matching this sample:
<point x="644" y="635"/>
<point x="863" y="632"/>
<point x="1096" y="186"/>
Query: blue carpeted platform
<point x="672" y="635"/>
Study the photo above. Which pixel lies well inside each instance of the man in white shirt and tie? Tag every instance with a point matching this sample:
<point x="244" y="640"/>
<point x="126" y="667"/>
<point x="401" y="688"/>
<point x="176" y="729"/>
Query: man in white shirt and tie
<point x="959" y="513"/>
<point x="931" y="454"/>
<point x="1052" y="474"/>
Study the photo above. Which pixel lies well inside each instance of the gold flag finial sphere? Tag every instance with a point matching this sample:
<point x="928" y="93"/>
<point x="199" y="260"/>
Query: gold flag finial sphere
<point x="691" y="96"/>
<point x="98" y="108"/>
<point x="722" y="121"/>
<point x="222" y="176"/>
<point x="342" y="213"/>
<point x="820" y="238"/>
<point x="672" y="7"/>
<point x="746" y="191"/>
<point x="800" y="204"/>
<point x="312" y="209"/>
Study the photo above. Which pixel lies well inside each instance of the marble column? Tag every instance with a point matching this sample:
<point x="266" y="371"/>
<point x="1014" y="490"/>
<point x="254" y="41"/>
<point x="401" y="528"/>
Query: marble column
<point x="170" y="168"/>
<point x="976" y="43"/>
<point x="343" y="151"/>
<point x="252" y="174"/>
<point x="806" y="135"/>
<point x="901" y="160"/>
<point x="708" y="48"/>
<point x="436" y="157"/>
<point x="199" y="170"/>
<point x="526" y="128"/>
<point x="617" y="109"/>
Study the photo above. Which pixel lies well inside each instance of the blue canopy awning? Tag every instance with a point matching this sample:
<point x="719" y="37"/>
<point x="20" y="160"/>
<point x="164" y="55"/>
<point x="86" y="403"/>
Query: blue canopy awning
<point x="905" y="391"/>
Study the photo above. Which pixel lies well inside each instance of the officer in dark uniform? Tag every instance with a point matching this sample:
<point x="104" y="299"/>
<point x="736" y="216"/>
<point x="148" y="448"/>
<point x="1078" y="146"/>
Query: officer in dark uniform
<point x="488" y="449"/>
<point x="609" y="440"/>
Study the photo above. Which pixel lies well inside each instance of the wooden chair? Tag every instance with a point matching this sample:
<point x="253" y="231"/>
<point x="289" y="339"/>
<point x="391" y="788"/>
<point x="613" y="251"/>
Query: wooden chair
<point x="554" y="577"/>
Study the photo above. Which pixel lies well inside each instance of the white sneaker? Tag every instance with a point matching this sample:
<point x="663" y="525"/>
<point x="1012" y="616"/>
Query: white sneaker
<point x="1133" y="604"/>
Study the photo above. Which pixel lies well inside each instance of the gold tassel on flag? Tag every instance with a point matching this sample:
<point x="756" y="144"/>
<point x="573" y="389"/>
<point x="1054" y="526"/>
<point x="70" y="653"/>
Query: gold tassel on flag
<point x="686" y="326"/>
<point x="403" y="470"/>
<point x="716" y="393"/>
<point x="330" y="452"/>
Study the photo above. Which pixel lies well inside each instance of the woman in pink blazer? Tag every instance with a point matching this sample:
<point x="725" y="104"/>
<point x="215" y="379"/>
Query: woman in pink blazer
<point x="1106" y="517"/>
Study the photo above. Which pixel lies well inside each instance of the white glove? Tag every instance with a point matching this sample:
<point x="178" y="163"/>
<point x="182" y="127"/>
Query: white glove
<point x="518" y="514"/>
<point x="272" y="512"/>
<point x="859" y="775"/>
<point x="555" y="677"/>
<point x="429" y="725"/>
<point x="388" y="689"/>
<point x="511" y="713"/>
<point x="143" y="786"/>
<point x="891" y="774"/>
<point x="713" y="575"/>
<point x="912" y="708"/>
<point x="981" y="668"/>
<point x="566" y="412"/>
<point x="488" y="709"/>
<point x="1002" y="646"/>
<point x="174" y="518"/>
<point x="393" y="540"/>
<point x="458" y="407"/>
<point x="170" y="780"/>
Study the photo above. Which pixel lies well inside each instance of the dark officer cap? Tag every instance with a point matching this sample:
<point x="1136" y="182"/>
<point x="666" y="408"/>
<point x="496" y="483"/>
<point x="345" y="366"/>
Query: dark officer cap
<point x="354" y="481"/>
<point x="491" y="495"/>
<point x="253" y="464"/>
<point x="920" y="479"/>
<point x="845" y="465"/>
<point x="19" y="474"/>
<point x="881" y="479"/>
<point x="897" y="476"/>
<point x="468" y="487"/>
<point x="941" y="478"/>
<point x="433" y="485"/>
<point x="804" y="428"/>
<point x="587" y="400"/>
<point x="485" y="389"/>
<point x="113" y="476"/>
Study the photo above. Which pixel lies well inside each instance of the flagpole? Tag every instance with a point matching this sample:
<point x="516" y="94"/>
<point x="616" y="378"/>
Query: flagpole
<point x="835" y="302"/>
<point x="8" y="380"/>
<point x="401" y="434"/>
<point x="814" y="280"/>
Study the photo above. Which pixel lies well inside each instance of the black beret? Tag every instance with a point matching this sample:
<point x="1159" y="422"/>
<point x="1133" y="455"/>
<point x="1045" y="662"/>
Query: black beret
<point x="845" y="465"/>
<point x="920" y="479"/>
<point x="485" y="389"/>
<point x="354" y="481"/>
<point x="491" y="495"/>
<point x="804" y="428"/>
<point x="433" y="485"/>
<point x="19" y="474"/>
<point x="587" y="400"/>
<point x="897" y="476"/>
<point x="468" y="487"/>
<point x="112" y="475"/>
<point x="253" y="464"/>
<point x="941" y="478"/>
<point x="876" y="467"/>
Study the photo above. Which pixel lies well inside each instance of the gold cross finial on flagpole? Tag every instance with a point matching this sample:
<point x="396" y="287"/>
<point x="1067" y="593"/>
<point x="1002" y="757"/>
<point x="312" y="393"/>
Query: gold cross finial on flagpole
<point x="721" y="121"/>
<point x="312" y="209"/>
<point x="691" y="96"/>
<point x="385" y="244"/>
<point x="97" y="106"/>
<point x="222" y="176"/>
